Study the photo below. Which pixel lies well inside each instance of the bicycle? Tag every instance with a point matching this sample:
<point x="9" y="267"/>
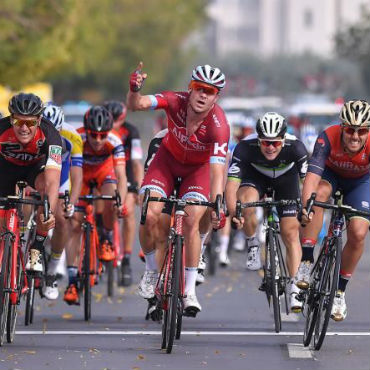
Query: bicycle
<point x="319" y="297"/>
<point x="88" y="268"/>
<point x="171" y="282"/>
<point x="13" y="278"/>
<point x="276" y="277"/>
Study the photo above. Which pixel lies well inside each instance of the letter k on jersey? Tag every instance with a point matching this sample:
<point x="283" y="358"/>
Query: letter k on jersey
<point x="220" y="148"/>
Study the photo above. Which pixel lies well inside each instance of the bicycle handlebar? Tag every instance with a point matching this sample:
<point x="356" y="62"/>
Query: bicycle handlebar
<point x="341" y="207"/>
<point x="12" y="200"/>
<point x="216" y="205"/>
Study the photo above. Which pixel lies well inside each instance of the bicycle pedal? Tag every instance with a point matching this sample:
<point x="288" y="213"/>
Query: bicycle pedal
<point x="190" y="312"/>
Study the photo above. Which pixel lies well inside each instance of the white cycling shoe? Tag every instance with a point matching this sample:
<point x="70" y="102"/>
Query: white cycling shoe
<point x="147" y="284"/>
<point x="254" y="258"/>
<point x="51" y="290"/>
<point x="34" y="262"/>
<point x="191" y="305"/>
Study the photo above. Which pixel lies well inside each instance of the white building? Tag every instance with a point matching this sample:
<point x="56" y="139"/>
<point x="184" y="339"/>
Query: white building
<point x="267" y="27"/>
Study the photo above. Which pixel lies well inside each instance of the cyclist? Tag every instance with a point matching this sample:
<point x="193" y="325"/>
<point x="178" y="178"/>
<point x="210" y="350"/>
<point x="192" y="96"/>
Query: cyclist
<point x="194" y="149"/>
<point x="71" y="180"/>
<point x="130" y="137"/>
<point x="31" y="150"/>
<point x="341" y="159"/>
<point x="269" y="159"/>
<point x="103" y="163"/>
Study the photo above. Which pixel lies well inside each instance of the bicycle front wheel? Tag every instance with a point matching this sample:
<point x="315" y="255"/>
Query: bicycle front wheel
<point x="274" y="281"/>
<point x="173" y="296"/>
<point x="86" y="274"/>
<point x="4" y="286"/>
<point x="328" y="289"/>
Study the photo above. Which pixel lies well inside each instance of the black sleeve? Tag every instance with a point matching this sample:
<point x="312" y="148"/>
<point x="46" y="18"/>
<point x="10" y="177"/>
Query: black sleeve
<point x="152" y="151"/>
<point x="321" y="152"/>
<point x="301" y="155"/>
<point x="238" y="161"/>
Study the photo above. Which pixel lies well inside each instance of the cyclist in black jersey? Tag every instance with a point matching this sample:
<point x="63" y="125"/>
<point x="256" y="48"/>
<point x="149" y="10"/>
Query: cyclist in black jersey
<point x="130" y="137"/>
<point x="269" y="159"/>
<point x="31" y="151"/>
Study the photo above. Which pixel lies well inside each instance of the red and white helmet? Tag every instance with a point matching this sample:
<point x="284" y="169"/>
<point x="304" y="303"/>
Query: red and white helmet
<point x="209" y="75"/>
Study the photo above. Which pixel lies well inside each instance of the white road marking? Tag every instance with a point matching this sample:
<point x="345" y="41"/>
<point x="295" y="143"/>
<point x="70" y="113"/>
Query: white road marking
<point x="157" y="332"/>
<point x="292" y="317"/>
<point x="296" y="350"/>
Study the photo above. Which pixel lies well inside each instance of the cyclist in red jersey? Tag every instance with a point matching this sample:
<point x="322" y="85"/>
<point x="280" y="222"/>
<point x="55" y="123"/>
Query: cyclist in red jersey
<point x="31" y="151"/>
<point x="104" y="164"/>
<point x="194" y="149"/>
<point x="341" y="159"/>
<point x="130" y="137"/>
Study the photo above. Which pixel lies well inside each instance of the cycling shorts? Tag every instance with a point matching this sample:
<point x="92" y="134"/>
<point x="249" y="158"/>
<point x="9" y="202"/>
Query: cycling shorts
<point x="356" y="192"/>
<point x="13" y="173"/>
<point x="102" y="174"/>
<point x="286" y="187"/>
<point x="163" y="171"/>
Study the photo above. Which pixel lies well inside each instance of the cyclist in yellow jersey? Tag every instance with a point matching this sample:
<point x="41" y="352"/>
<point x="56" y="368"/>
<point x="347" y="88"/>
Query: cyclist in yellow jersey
<point x="70" y="179"/>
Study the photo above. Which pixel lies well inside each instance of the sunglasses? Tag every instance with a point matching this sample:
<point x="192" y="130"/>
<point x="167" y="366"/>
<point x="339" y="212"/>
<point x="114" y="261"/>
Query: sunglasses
<point x="200" y="86"/>
<point x="274" y="143"/>
<point x="361" y="131"/>
<point x="29" y="123"/>
<point x="101" y="135"/>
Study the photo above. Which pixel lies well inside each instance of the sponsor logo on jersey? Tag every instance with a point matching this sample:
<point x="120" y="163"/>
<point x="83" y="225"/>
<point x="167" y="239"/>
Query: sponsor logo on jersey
<point x="321" y="141"/>
<point x="185" y="140"/>
<point x="55" y="153"/>
<point x="234" y="168"/>
<point x="365" y="204"/>
<point x="220" y="148"/>
<point x="349" y="166"/>
<point x="217" y="122"/>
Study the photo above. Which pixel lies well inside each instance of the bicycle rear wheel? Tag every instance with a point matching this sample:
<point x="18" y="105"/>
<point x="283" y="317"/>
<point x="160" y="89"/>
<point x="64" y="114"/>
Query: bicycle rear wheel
<point x="4" y="286"/>
<point x="274" y="281"/>
<point x="328" y="289"/>
<point x="173" y="296"/>
<point x="86" y="274"/>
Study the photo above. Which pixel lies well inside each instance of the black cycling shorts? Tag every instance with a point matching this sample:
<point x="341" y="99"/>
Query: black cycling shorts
<point x="11" y="174"/>
<point x="286" y="187"/>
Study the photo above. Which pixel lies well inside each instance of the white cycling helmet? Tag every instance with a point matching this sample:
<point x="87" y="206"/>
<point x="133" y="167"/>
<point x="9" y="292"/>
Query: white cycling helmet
<point x="55" y="115"/>
<point x="355" y="113"/>
<point x="271" y="125"/>
<point x="209" y="75"/>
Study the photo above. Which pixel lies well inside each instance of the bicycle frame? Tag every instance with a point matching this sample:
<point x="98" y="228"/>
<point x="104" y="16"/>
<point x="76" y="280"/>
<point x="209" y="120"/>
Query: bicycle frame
<point x="12" y="229"/>
<point x="176" y="231"/>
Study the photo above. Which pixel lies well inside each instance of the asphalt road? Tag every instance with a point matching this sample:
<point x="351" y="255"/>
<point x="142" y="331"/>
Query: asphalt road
<point x="233" y="331"/>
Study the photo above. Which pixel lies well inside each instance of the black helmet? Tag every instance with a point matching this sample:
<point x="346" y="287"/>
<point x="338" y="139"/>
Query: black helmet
<point x="26" y="105"/>
<point x="116" y="108"/>
<point x="98" y="119"/>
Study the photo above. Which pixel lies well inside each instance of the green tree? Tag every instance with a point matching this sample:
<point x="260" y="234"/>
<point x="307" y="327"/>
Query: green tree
<point x="93" y="44"/>
<point x="34" y="38"/>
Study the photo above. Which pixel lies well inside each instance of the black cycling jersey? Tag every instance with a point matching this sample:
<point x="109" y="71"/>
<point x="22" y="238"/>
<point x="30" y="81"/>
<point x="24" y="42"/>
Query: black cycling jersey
<point x="251" y="168"/>
<point x="247" y="153"/>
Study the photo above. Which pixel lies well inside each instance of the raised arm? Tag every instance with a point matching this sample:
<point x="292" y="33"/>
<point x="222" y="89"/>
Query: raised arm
<point x="135" y="101"/>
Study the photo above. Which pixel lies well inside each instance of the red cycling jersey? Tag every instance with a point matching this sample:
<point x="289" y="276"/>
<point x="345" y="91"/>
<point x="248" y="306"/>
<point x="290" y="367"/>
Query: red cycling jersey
<point x="45" y="147"/>
<point x="329" y="152"/>
<point x="113" y="148"/>
<point x="207" y="144"/>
